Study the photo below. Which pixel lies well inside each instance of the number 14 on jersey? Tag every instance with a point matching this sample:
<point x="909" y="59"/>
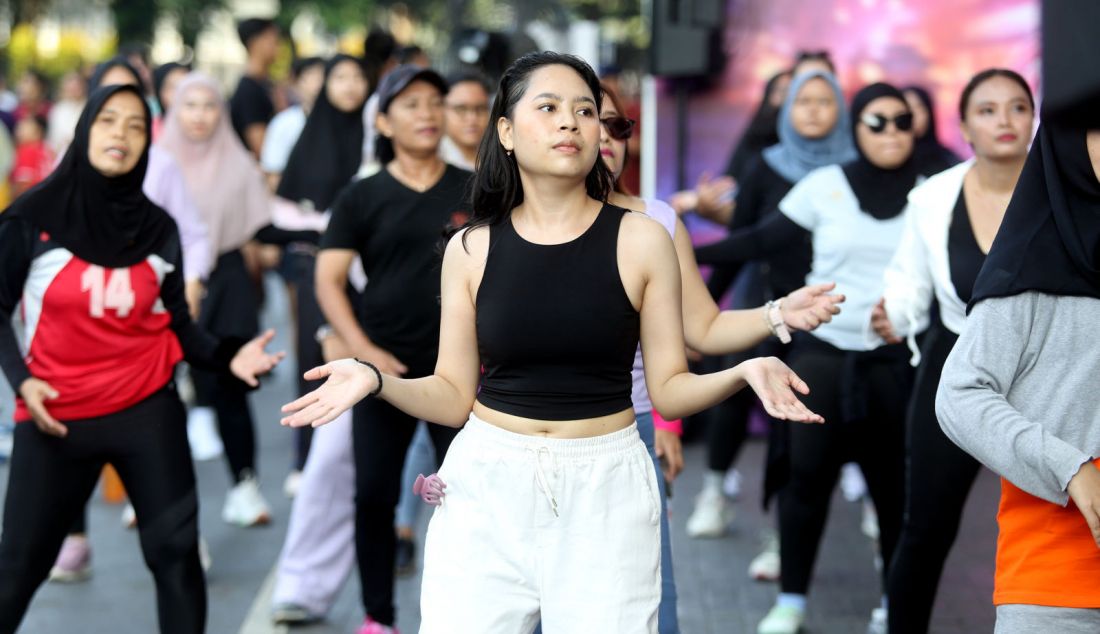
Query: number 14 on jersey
<point x="113" y="292"/>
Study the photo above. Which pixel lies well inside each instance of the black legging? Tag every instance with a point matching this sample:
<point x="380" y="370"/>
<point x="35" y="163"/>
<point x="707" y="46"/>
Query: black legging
<point x="863" y="399"/>
<point x="230" y="309"/>
<point x="939" y="476"/>
<point x="298" y="267"/>
<point x="51" y="479"/>
<point x="728" y="422"/>
<point x="382" y="434"/>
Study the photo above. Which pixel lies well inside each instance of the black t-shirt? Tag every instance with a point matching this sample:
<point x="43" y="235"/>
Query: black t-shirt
<point x="250" y="104"/>
<point x="758" y="196"/>
<point x="399" y="234"/>
<point x="964" y="255"/>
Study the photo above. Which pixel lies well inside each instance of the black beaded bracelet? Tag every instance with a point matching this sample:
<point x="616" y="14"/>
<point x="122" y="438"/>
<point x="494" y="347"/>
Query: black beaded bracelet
<point x="377" y="373"/>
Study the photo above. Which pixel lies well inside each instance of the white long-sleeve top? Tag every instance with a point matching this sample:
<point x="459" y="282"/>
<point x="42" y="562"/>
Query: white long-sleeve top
<point x="920" y="268"/>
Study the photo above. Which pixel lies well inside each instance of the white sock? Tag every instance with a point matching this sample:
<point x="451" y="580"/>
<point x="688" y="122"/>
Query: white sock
<point x="791" y="600"/>
<point x="713" y="480"/>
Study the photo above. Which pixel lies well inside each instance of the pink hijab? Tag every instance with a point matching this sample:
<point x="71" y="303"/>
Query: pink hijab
<point x="221" y="175"/>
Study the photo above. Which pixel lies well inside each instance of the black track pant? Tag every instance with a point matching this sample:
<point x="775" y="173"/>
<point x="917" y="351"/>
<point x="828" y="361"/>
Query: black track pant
<point x="939" y="476"/>
<point x="876" y="443"/>
<point x="230" y="309"/>
<point x="51" y="478"/>
<point x="382" y="434"/>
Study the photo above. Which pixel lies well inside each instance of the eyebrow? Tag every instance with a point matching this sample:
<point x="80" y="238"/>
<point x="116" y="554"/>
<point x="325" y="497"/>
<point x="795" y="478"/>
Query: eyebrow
<point x="550" y="95"/>
<point x="116" y="112"/>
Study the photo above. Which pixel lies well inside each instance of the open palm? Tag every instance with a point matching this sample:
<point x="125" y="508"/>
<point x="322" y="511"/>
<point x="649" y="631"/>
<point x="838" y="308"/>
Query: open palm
<point x="776" y="385"/>
<point x="348" y="382"/>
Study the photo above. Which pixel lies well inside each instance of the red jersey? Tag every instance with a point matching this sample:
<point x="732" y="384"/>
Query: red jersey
<point x="98" y="336"/>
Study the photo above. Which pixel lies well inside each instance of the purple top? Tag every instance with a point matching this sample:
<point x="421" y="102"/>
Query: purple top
<point x="665" y="215"/>
<point x="164" y="185"/>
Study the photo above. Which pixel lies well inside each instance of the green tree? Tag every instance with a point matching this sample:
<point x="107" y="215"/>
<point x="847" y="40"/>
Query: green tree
<point x="26" y="11"/>
<point x="191" y="16"/>
<point x="135" y="20"/>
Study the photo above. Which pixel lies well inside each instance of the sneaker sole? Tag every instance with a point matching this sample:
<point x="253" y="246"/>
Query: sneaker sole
<point x="57" y="575"/>
<point x="262" y="520"/>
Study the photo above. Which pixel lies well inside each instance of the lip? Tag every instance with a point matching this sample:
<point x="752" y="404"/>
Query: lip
<point x="606" y="152"/>
<point x="1007" y="137"/>
<point x="116" y="153"/>
<point x="567" y="147"/>
<point x="428" y="130"/>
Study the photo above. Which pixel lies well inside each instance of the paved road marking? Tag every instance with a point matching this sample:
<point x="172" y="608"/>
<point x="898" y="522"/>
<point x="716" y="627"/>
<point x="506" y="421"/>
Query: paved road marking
<point x="258" y="620"/>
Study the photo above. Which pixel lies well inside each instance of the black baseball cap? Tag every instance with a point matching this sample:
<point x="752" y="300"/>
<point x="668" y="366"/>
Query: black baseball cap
<point x="398" y="79"/>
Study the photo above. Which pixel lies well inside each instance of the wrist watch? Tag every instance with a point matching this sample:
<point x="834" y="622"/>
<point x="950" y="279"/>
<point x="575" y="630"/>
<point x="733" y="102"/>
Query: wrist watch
<point x="773" y="315"/>
<point x="324" y="332"/>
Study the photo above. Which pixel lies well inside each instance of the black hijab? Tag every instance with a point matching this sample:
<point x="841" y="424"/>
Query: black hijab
<point x="1049" y="240"/>
<point x="761" y="132"/>
<point x="96" y="80"/>
<point x="328" y="152"/>
<point x="882" y="193"/>
<point x="931" y="156"/>
<point x="102" y="220"/>
<point x="160" y="75"/>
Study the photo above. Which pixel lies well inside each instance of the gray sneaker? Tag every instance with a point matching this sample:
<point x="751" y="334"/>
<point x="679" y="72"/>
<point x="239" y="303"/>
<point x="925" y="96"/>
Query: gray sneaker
<point x="293" y="614"/>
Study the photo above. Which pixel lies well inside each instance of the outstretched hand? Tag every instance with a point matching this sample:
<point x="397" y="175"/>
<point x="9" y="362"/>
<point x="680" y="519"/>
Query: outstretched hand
<point x="775" y="385"/>
<point x="252" y="361"/>
<point x="348" y="382"/>
<point x="810" y="306"/>
<point x="430" y="489"/>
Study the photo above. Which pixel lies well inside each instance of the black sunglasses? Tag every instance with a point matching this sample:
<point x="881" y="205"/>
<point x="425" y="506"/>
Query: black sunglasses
<point x="619" y="128"/>
<point x="877" y="123"/>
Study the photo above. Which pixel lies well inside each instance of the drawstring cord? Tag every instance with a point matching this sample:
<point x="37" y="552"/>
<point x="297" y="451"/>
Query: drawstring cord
<point x="540" y="476"/>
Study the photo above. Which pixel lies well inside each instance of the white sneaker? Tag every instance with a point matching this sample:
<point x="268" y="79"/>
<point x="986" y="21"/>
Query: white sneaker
<point x="782" y="620"/>
<point x="869" y="523"/>
<point x="129" y="516"/>
<point x="731" y="484"/>
<point x="202" y="434"/>
<point x="877" y="624"/>
<point x="765" y="566"/>
<point x="245" y="506"/>
<point x="852" y="484"/>
<point x="712" y="515"/>
<point x="292" y="483"/>
<point x="204" y="554"/>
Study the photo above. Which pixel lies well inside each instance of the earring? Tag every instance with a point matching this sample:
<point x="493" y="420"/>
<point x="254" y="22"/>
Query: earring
<point x="508" y="152"/>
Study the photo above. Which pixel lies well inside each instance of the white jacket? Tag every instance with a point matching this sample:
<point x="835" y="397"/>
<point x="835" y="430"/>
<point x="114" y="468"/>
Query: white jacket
<point x="920" y="269"/>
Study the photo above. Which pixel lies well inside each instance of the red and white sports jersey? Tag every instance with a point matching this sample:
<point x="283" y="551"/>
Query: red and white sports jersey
<point x="98" y="336"/>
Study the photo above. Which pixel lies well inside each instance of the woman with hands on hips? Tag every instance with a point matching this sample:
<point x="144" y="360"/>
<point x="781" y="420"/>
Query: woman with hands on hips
<point x="89" y="260"/>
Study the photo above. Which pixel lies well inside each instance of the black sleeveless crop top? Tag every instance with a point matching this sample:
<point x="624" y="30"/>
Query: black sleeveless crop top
<point x="556" y="331"/>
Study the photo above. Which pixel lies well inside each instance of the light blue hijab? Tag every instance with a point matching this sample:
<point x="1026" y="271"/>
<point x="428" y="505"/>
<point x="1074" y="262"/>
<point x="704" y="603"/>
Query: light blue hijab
<point x="795" y="155"/>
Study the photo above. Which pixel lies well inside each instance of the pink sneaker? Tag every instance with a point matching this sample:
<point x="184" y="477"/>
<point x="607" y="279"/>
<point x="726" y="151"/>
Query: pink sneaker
<point x="370" y="626"/>
<point x="74" y="562"/>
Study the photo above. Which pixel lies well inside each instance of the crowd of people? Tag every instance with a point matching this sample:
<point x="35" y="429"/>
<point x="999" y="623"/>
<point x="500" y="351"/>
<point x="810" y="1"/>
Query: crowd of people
<point x="503" y="333"/>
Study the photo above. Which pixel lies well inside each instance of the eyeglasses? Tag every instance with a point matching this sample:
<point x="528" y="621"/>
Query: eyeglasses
<point x="619" y="128"/>
<point x="463" y="110"/>
<point x="877" y="123"/>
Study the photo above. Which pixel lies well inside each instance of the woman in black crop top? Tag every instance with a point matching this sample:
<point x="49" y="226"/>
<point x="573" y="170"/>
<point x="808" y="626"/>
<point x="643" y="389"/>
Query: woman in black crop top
<point x="551" y="505"/>
<point x="953" y="218"/>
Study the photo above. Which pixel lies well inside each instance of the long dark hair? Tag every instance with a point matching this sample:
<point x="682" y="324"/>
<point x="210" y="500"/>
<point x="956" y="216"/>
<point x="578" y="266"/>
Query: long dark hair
<point x="495" y="189"/>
